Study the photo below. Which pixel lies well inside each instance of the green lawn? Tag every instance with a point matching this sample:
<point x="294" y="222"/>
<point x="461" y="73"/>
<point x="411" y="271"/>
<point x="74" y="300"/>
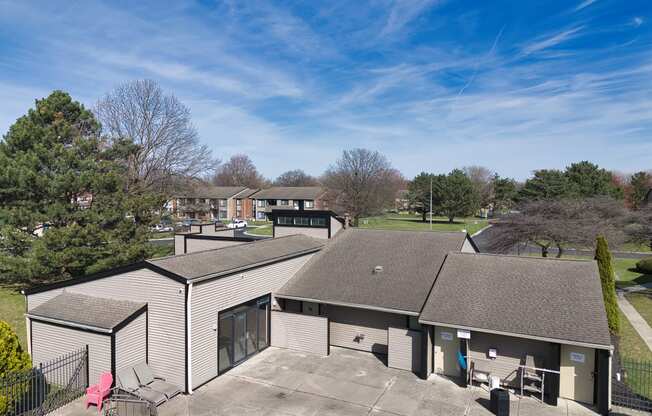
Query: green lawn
<point x="626" y="274"/>
<point x="642" y="301"/>
<point x="261" y="230"/>
<point x="645" y="248"/>
<point x="12" y="309"/>
<point x="632" y="347"/>
<point x="414" y="223"/>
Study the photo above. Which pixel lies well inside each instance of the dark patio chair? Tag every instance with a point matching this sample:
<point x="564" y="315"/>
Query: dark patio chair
<point x="149" y="380"/>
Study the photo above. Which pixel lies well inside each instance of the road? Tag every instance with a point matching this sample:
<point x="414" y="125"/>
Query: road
<point x="483" y="239"/>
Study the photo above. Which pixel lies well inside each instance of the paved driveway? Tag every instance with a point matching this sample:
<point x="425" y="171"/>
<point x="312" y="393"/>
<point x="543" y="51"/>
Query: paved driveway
<point x="283" y="382"/>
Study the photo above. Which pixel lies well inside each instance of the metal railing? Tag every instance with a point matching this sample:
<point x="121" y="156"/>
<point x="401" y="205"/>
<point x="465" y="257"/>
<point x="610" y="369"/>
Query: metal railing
<point x="121" y="403"/>
<point x="46" y="387"/>
<point x="632" y="385"/>
<point x="520" y="372"/>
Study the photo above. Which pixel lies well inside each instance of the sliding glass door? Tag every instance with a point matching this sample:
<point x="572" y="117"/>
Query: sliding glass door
<point x="242" y="332"/>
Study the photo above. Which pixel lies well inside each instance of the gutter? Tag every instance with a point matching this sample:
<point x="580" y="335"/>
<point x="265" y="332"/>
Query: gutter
<point x="512" y="334"/>
<point x="69" y="323"/>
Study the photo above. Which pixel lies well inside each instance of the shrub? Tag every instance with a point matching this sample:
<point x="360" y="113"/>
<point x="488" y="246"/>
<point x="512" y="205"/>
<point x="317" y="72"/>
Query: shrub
<point x="645" y="265"/>
<point x="12" y="360"/>
<point x="608" y="281"/>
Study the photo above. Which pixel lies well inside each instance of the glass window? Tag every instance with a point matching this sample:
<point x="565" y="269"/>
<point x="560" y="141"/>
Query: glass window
<point x="285" y="220"/>
<point x="309" y="204"/>
<point x="283" y="202"/>
<point x="222" y="202"/>
<point x="260" y="202"/>
<point x="225" y="343"/>
<point x="318" y="222"/>
<point x="223" y="214"/>
<point x="262" y="326"/>
<point x="301" y="221"/>
<point x="238" y="202"/>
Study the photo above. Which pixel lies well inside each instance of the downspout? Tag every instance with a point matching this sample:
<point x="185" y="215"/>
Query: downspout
<point x="189" y="338"/>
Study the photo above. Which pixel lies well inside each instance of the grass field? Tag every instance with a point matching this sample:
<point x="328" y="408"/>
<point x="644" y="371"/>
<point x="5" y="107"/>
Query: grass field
<point x="265" y="230"/>
<point x="414" y="223"/>
<point x="642" y="301"/>
<point x="631" y="345"/>
<point x="626" y="274"/>
<point x="12" y="308"/>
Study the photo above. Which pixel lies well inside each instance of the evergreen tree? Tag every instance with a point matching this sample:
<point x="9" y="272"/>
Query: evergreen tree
<point x="454" y="195"/>
<point x="504" y="193"/>
<point x="639" y="184"/>
<point x="546" y="184"/>
<point x="588" y="179"/>
<point x="608" y="281"/>
<point x="64" y="211"/>
<point x="419" y="193"/>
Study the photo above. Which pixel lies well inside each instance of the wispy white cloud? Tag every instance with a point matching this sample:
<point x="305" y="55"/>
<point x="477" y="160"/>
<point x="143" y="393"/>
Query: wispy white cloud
<point x="550" y="41"/>
<point x="403" y="12"/>
<point x="637" y="21"/>
<point x="584" y="4"/>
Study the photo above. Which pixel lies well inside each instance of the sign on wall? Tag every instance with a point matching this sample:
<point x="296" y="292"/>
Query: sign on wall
<point x="463" y="334"/>
<point x="447" y="336"/>
<point x="577" y="357"/>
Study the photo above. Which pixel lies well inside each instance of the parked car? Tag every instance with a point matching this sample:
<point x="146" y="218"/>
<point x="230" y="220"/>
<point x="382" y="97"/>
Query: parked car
<point x="161" y="228"/>
<point x="190" y="221"/>
<point x="237" y="224"/>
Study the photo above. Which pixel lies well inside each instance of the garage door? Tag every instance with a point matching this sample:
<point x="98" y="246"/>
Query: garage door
<point x="362" y="329"/>
<point x="300" y="332"/>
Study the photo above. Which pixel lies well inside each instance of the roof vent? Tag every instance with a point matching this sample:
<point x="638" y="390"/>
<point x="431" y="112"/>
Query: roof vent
<point x="378" y="269"/>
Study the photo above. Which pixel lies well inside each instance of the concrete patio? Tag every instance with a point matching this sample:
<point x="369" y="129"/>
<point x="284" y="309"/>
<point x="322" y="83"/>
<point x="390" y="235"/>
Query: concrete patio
<point x="283" y="382"/>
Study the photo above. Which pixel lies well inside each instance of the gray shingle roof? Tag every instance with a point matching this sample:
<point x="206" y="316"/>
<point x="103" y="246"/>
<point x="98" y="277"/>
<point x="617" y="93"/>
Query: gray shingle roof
<point x="86" y="310"/>
<point x="226" y="260"/>
<point x="558" y="299"/>
<point x="290" y="192"/>
<point x="209" y="191"/>
<point x="343" y="271"/>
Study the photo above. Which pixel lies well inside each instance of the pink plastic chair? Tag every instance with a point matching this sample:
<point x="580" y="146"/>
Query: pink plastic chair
<point x="96" y="393"/>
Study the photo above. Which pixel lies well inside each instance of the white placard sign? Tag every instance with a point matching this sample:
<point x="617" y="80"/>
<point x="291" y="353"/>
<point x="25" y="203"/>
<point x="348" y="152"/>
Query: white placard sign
<point x="447" y="336"/>
<point x="463" y="334"/>
<point x="577" y="357"/>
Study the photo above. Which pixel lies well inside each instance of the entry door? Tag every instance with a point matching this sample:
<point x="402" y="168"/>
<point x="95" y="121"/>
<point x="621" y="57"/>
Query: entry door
<point x="577" y="365"/>
<point x="239" y="347"/>
<point x="446" y="345"/>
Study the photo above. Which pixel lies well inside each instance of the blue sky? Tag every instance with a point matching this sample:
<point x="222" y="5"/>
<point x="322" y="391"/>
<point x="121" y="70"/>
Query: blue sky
<point x="511" y="85"/>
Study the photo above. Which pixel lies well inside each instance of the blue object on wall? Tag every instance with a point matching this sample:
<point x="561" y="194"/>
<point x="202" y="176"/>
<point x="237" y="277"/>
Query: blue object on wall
<point x="461" y="360"/>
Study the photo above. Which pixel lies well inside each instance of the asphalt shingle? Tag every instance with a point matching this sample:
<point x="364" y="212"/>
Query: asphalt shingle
<point x="550" y="298"/>
<point x="344" y="271"/>
<point x="87" y="310"/>
<point x="290" y="192"/>
<point x="230" y="259"/>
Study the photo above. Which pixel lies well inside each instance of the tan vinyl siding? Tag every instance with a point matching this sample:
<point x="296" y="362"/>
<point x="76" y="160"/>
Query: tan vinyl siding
<point x="179" y="247"/>
<point x="295" y="331"/>
<point x="52" y="341"/>
<point x="336" y="226"/>
<point x="347" y="323"/>
<point x="467" y="247"/>
<point x="194" y="244"/>
<point x="130" y="343"/>
<point x="221" y="233"/>
<point x="210" y="297"/>
<point x="309" y="231"/>
<point x="166" y="306"/>
<point x="404" y="349"/>
<point x="511" y="353"/>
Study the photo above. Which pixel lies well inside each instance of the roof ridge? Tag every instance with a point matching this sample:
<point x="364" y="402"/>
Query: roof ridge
<point x="523" y="257"/>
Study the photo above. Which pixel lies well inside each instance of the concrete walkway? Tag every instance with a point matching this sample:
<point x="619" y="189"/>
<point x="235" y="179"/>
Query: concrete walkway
<point x="638" y="322"/>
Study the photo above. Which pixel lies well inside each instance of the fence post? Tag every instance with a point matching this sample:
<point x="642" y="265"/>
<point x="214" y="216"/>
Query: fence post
<point x="87" y="368"/>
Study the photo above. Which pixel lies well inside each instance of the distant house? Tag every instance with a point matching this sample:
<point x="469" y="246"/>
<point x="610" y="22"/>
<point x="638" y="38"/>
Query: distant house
<point x="207" y="202"/>
<point x="402" y="202"/>
<point x="280" y="197"/>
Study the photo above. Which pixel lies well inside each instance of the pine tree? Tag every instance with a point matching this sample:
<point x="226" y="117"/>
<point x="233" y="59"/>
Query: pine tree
<point x="50" y="159"/>
<point x="608" y="281"/>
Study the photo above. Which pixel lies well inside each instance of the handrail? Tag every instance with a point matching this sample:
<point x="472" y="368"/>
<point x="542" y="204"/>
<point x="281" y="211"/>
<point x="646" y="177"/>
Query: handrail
<point x="512" y="365"/>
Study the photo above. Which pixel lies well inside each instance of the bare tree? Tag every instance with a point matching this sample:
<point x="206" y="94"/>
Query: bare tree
<point x="362" y="182"/>
<point x="639" y="227"/>
<point x="239" y="171"/>
<point x="560" y="223"/>
<point x="482" y="179"/>
<point x="295" y="178"/>
<point x="160" y="127"/>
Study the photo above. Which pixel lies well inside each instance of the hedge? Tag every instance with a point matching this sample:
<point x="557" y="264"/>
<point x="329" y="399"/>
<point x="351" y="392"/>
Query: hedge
<point x="644" y="265"/>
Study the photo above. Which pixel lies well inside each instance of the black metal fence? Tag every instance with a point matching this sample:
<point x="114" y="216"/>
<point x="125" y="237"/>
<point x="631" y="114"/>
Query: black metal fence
<point x="632" y="385"/>
<point x="46" y="387"/>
